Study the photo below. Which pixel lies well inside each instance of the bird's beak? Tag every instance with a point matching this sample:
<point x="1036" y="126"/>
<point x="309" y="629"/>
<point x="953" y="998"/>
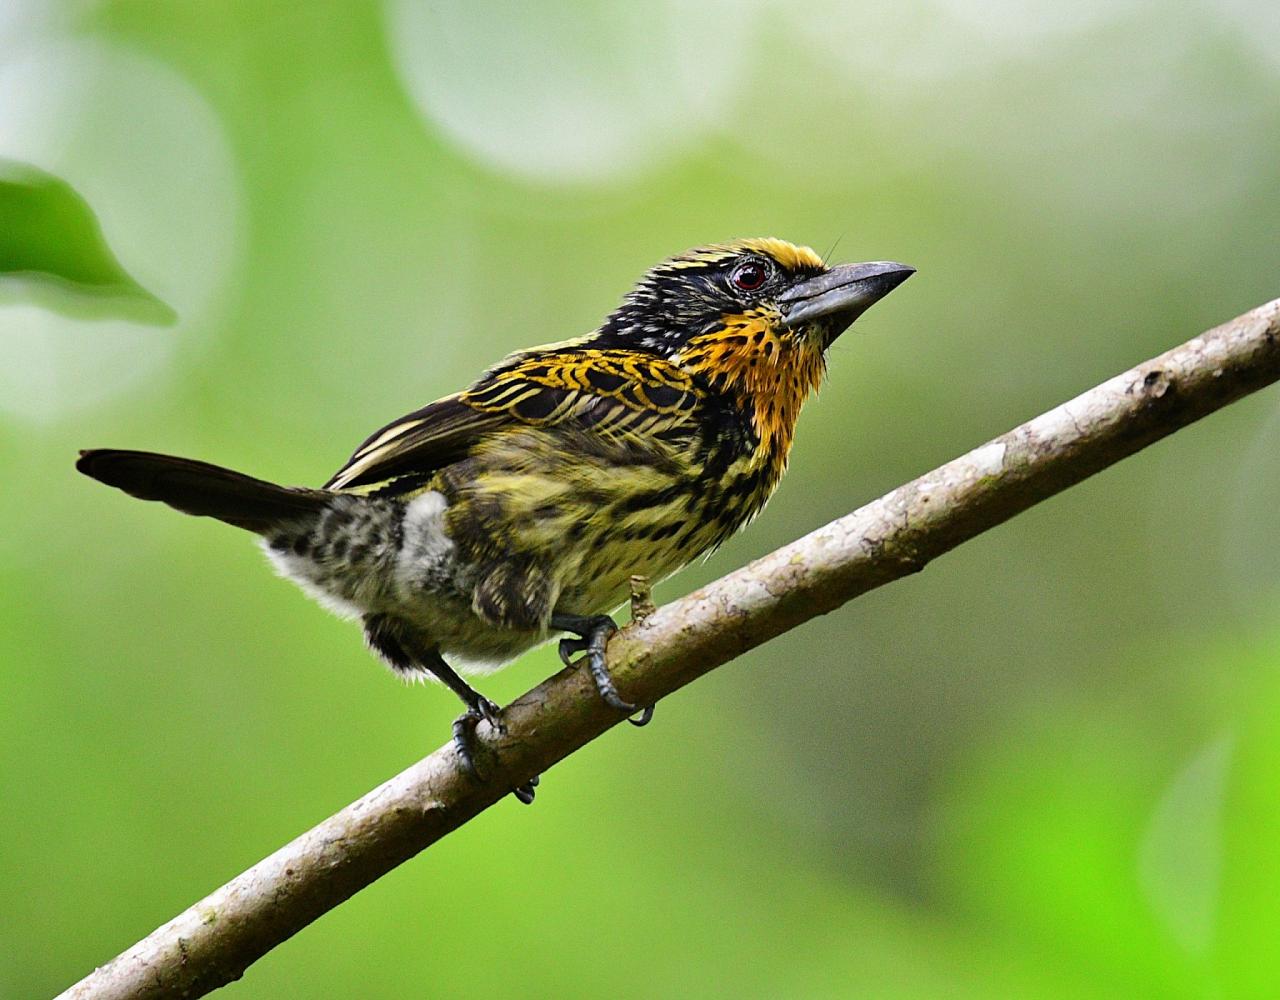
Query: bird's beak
<point x="837" y="297"/>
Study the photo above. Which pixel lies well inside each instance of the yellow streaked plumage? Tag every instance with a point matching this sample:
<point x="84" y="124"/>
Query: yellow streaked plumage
<point x="491" y="519"/>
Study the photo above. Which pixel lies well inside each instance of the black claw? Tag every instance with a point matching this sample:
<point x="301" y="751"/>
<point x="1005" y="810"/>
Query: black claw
<point x="491" y="714"/>
<point x="525" y="792"/>
<point x="569" y="648"/>
<point x="464" y="732"/>
<point x="464" y="735"/>
<point x="644" y="718"/>
<point x="594" y="634"/>
<point x="604" y="684"/>
<point x="464" y="740"/>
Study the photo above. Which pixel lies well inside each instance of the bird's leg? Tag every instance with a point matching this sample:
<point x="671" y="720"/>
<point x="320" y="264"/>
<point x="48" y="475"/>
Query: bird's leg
<point x="396" y="644"/>
<point x="478" y="707"/>
<point x="464" y="727"/>
<point x="593" y="633"/>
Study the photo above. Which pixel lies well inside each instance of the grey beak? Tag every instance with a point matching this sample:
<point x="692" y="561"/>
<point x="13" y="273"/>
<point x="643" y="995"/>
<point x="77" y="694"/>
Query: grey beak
<point x="837" y="297"/>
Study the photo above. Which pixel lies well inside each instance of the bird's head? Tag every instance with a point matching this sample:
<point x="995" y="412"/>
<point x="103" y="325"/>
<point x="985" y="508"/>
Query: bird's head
<point x="766" y="285"/>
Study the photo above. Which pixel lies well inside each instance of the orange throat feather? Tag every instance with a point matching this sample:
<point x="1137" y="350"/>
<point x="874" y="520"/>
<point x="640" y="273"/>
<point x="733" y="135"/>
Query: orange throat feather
<point x="770" y="374"/>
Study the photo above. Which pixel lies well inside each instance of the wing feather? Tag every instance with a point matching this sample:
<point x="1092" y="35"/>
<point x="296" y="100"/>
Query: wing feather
<point x="416" y="444"/>
<point x="613" y="393"/>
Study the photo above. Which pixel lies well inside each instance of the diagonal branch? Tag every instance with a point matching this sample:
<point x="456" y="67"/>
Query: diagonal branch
<point x="212" y="943"/>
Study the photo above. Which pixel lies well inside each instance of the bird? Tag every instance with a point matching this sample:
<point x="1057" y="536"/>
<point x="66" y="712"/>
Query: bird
<point x="497" y="518"/>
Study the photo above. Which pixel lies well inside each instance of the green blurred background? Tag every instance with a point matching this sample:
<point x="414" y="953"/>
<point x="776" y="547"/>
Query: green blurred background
<point x="1047" y="767"/>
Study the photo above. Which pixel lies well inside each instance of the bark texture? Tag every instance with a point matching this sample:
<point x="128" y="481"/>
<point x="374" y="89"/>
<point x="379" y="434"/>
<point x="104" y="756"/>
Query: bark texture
<point x="214" y="941"/>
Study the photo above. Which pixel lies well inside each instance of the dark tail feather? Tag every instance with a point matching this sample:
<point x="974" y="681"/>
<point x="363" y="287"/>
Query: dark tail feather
<point x="203" y="489"/>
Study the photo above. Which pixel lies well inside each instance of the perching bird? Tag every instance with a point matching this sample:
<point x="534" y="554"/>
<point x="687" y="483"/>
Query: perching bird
<point x="491" y="520"/>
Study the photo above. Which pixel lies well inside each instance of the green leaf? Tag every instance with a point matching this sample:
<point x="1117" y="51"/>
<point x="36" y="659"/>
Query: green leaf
<point x="52" y="251"/>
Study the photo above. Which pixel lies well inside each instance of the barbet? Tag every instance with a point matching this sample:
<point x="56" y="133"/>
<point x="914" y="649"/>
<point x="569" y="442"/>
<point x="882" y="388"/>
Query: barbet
<point x="491" y="520"/>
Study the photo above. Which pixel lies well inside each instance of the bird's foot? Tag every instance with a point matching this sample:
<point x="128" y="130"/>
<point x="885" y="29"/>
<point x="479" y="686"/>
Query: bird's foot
<point x="464" y="732"/>
<point x="594" y="632"/>
<point x="464" y="741"/>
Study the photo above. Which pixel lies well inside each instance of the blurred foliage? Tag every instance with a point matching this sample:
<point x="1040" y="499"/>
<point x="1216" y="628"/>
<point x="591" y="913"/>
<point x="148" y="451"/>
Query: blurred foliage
<point x="51" y="242"/>
<point x="1043" y="768"/>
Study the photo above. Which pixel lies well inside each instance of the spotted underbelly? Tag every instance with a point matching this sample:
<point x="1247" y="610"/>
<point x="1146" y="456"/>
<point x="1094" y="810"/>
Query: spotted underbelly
<point x="367" y="556"/>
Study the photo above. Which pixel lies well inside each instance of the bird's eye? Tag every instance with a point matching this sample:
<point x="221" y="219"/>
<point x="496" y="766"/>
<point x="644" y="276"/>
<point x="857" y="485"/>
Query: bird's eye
<point x="749" y="276"/>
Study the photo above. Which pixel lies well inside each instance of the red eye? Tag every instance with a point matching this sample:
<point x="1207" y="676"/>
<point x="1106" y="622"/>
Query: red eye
<point x="749" y="276"/>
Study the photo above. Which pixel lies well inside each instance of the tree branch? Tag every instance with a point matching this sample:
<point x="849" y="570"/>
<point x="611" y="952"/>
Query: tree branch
<point x="217" y="939"/>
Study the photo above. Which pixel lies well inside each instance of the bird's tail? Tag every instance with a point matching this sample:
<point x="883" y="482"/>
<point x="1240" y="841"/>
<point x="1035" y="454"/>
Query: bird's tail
<point x="203" y="489"/>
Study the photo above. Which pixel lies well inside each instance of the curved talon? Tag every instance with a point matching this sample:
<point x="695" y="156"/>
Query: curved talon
<point x="594" y="633"/>
<point x="491" y="714"/>
<point x="464" y="734"/>
<point x="643" y="719"/>
<point x="525" y="792"/>
<point x="464" y="740"/>
<point x="604" y="684"/>
<point x="569" y="648"/>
